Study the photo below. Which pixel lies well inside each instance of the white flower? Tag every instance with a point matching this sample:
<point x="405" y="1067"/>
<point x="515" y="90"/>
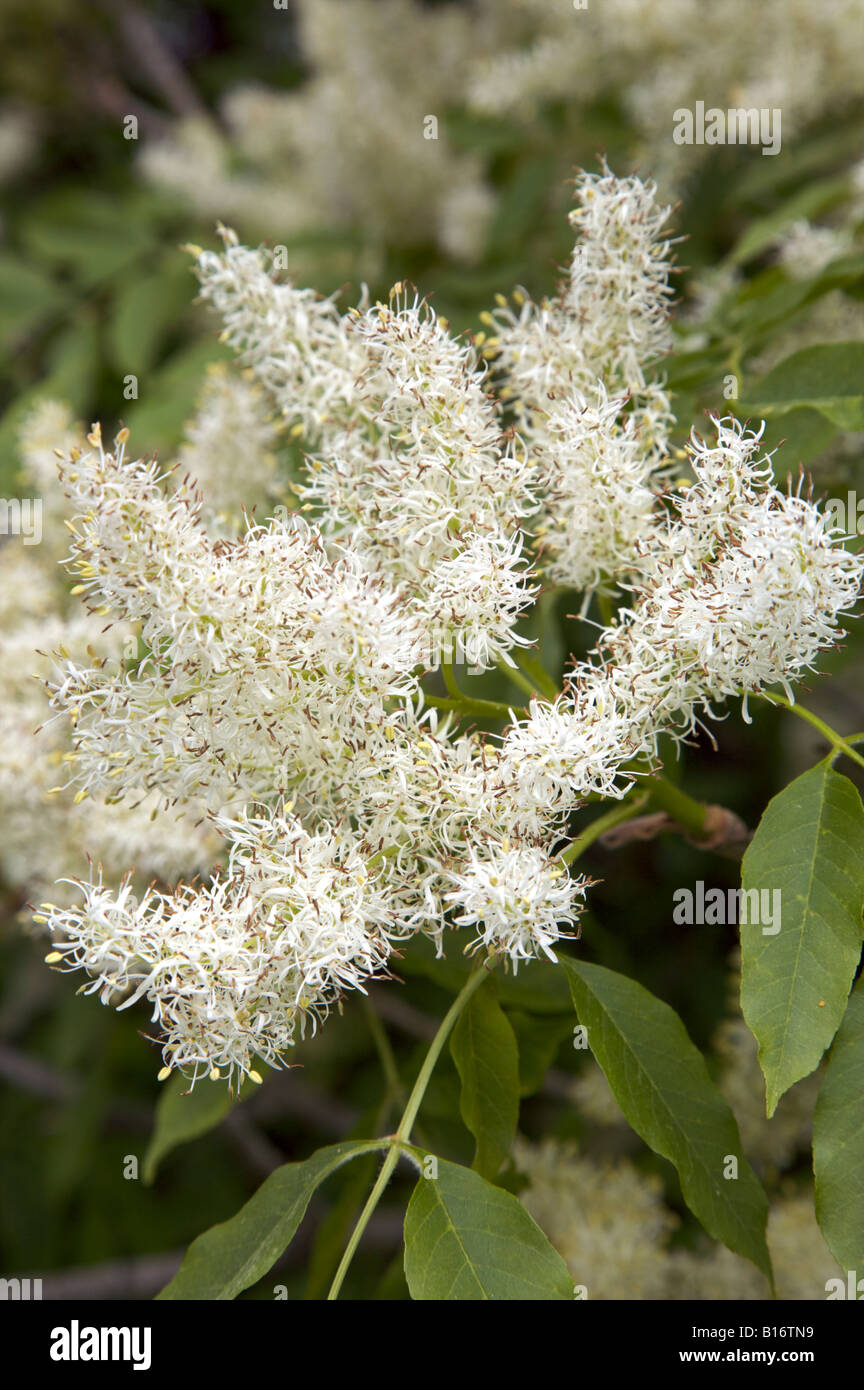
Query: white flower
<point x="347" y="148"/>
<point x="571" y="748"/>
<point x="600" y="511"/>
<point x="518" y="898"/>
<point x="232" y="970"/>
<point x="296" y="343"/>
<point x="575" y="371"/>
<point x="610" y="317"/>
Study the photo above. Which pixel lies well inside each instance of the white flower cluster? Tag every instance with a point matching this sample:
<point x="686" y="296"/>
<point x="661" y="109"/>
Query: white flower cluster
<point x="804" y="249"/>
<point x="231" y="968"/>
<point x="410" y="464"/>
<point x="740" y="591"/>
<point x="575" y="369"/>
<point x="280" y="674"/>
<point x="46" y="834"/>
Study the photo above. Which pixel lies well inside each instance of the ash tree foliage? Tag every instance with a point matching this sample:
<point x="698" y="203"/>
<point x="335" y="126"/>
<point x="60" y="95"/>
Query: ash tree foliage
<point x="303" y="700"/>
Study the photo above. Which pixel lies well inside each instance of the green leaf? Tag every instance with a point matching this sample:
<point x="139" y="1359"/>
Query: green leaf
<point x="761" y="177"/>
<point x="335" y="1229"/>
<point x="484" y="134"/>
<point x="465" y="1239"/>
<point x="484" y="1049"/>
<point x="73" y="364"/>
<point x="803" y="434"/>
<point x="182" y="1115"/>
<point x="95" y="237"/>
<point x="234" y="1255"/>
<point x="145" y="311"/>
<point x="27" y="296"/>
<point x="168" y="395"/>
<point x="838" y="1140"/>
<point x="521" y="203"/>
<point x="662" y="1085"/>
<point x="814" y="198"/>
<point x="538" y="1041"/>
<point x="794" y="982"/>
<point x="828" y="378"/>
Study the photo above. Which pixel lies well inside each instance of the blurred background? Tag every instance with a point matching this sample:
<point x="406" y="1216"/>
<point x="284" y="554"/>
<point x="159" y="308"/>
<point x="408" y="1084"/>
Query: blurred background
<point x="375" y="141"/>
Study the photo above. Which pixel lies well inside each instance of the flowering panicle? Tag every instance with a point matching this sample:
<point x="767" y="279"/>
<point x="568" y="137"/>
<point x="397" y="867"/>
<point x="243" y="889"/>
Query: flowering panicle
<point x="276" y="676"/>
<point x="698" y="53"/>
<point x="517" y="898"/>
<point x="244" y="641"/>
<point x="233" y="969"/>
<point x="610" y="317"/>
<point x="609" y="1221"/>
<point x="46" y="833"/>
<point x="575" y="371"/>
<point x="425" y="486"/>
<point x="741" y="592"/>
<point x="296" y="343"/>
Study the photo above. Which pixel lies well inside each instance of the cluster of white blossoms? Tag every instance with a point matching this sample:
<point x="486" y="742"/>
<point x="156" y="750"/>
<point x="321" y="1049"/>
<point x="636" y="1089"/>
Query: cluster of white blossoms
<point x="805" y="249"/>
<point x="515" y="897"/>
<point x="279" y="678"/>
<point x="46" y="833"/>
<point x="295" y="917"/>
<point x="575" y="373"/>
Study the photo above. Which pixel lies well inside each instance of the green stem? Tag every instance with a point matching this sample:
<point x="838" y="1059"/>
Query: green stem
<point x="532" y="667"/>
<point x="516" y="676"/>
<point x="450" y="680"/>
<point x="481" y="709"/>
<point x="406" y="1124"/>
<point x="625" y="810"/>
<point x="683" y="809"/>
<point x="466" y="704"/>
<point x="838" y="743"/>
